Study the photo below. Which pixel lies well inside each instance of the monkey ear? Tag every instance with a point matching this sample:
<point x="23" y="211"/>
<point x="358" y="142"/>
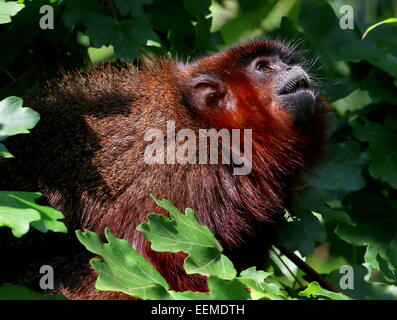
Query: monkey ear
<point x="207" y="91"/>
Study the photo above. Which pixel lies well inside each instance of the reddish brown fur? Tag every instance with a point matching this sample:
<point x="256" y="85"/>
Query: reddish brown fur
<point x="86" y="157"/>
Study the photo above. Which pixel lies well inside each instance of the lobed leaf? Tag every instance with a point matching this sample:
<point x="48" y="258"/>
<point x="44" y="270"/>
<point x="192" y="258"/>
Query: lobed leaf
<point x="314" y="289"/>
<point x="9" y="9"/>
<point x="18" y="211"/>
<point x="182" y="232"/>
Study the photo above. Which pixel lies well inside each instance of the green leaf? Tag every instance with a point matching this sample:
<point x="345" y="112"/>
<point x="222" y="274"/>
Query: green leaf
<point x="187" y="26"/>
<point x="170" y="17"/>
<point x="390" y="20"/>
<point x="122" y="268"/>
<point x="250" y="17"/>
<point x="379" y="86"/>
<point x="356" y="100"/>
<point x="15" y="119"/>
<point x="4" y="152"/>
<point x="343" y="164"/>
<point x="257" y="275"/>
<point x="182" y="232"/>
<point x="362" y="288"/>
<point x="187" y="295"/>
<point x="391" y="121"/>
<point x="16" y="215"/>
<point x="18" y="210"/>
<point x="314" y="289"/>
<point x="260" y="288"/>
<point x="384" y="258"/>
<point x="126" y="36"/>
<point x="318" y="200"/>
<point x="336" y="44"/>
<point x="133" y="7"/>
<point x="9" y="9"/>
<point x="200" y="9"/>
<point x="9" y="291"/>
<point x="76" y="11"/>
<point x="382" y="150"/>
<point x="48" y="219"/>
<point x="302" y="233"/>
<point x="197" y="8"/>
<point x="221" y="289"/>
<point x="374" y="220"/>
<point x="375" y="225"/>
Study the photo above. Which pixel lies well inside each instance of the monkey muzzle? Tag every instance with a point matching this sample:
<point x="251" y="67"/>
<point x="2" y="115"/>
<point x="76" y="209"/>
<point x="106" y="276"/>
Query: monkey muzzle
<point x="295" y="93"/>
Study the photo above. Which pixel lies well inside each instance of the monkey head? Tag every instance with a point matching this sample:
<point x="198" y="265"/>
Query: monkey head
<point x="260" y="85"/>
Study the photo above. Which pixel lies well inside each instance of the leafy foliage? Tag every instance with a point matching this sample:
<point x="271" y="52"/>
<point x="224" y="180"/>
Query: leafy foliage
<point x="131" y="26"/>
<point x="18" y="210"/>
<point x="352" y="195"/>
<point x="344" y="213"/>
<point x="123" y="269"/>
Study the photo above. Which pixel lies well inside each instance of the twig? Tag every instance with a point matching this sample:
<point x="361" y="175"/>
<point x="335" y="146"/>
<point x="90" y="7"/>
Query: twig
<point x="308" y="270"/>
<point x="289" y="270"/>
<point x="9" y="74"/>
<point x="113" y="9"/>
<point x="22" y="76"/>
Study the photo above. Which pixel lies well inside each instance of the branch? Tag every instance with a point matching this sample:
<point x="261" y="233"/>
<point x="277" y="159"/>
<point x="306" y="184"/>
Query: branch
<point x="289" y="270"/>
<point x="113" y="9"/>
<point x="21" y="77"/>
<point x="308" y="270"/>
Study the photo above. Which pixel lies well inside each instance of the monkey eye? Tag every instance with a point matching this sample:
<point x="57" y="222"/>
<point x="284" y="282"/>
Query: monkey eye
<point x="263" y="66"/>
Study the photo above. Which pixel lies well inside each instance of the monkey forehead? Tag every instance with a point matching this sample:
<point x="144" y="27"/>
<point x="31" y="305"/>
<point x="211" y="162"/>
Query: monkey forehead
<point x="242" y="54"/>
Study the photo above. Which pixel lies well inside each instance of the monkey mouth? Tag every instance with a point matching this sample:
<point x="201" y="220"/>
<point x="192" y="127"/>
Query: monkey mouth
<point x="295" y="85"/>
<point x="297" y="97"/>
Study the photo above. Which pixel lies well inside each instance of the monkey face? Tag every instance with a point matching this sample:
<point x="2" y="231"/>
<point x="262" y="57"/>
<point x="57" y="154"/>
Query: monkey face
<point x="290" y="86"/>
<point x="253" y="82"/>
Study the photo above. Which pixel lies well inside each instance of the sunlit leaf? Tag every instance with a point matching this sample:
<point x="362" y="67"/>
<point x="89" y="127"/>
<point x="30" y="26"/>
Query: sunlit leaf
<point x="19" y="211"/>
<point x="390" y="20"/>
<point x="182" y="232"/>
<point x="9" y="9"/>
<point x="15" y="119"/>
<point x="314" y="289"/>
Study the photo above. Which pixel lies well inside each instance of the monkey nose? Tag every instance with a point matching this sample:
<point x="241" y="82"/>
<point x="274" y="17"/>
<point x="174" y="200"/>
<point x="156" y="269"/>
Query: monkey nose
<point x="295" y="94"/>
<point x="292" y="79"/>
